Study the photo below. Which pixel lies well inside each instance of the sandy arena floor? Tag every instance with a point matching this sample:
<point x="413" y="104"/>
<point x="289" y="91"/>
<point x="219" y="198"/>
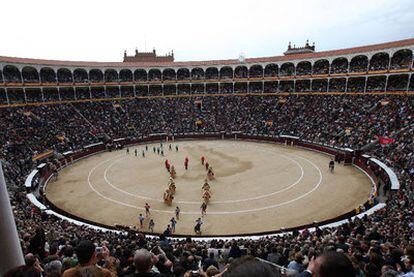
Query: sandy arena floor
<point x="259" y="187"/>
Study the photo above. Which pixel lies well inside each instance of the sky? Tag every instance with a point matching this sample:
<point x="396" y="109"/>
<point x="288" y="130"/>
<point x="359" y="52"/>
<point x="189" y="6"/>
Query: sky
<point x="89" y="30"/>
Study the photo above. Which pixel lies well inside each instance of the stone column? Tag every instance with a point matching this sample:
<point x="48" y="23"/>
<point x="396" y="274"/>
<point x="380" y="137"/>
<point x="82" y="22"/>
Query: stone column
<point x="9" y="240"/>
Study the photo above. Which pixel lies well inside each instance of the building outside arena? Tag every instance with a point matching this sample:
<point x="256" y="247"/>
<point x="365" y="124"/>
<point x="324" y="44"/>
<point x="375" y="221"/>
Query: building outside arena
<point x="297" y="164"/>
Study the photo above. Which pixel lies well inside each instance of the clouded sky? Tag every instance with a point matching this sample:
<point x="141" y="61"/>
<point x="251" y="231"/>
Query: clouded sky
<point x="197" y="30"/>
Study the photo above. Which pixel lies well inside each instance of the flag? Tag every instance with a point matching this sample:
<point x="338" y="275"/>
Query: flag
<point x="385" y="140"/>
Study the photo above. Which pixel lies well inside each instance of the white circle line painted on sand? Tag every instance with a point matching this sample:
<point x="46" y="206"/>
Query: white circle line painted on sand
<point x="100" y="194"/>
<point x="212" y="202"/>
<point x="213" y="213"/>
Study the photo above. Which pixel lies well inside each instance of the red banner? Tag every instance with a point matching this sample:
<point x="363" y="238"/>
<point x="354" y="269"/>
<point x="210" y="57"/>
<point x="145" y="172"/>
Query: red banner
<point x="385" y="140"/>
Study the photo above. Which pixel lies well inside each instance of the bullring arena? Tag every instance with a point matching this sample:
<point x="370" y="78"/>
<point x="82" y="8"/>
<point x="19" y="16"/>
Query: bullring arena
<point x="86" y="146"/>
<point x="258" y="187"/>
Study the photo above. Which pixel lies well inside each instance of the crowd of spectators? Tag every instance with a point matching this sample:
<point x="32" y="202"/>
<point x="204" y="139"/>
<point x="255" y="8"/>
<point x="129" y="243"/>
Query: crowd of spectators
<point x="375" y="245"/>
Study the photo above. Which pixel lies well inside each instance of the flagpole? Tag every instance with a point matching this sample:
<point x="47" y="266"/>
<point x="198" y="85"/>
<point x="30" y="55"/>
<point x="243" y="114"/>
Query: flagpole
<point x="9" y="240"/>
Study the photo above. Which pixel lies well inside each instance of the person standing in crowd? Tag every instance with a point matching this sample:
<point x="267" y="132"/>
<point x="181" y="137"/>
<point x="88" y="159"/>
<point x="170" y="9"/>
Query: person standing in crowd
<point x="143" y="153"/>
<point x="170" y="147"/>
<point x="86" y="254"/>
<point x="176" y="148"/>
<point x="202" y="160"/>
<point x="297" y="263"/>
<point x="127" y="150"/>
<point x="136" y="152"/>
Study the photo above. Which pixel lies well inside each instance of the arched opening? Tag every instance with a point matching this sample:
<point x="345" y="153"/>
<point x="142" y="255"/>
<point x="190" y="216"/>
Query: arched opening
<point x="96" y="76"/>
<point x="125" y="75"/>
<point x="226" y="88"/>
<point x="321" y="67"/>
<point x="303" y="86"/>
<point x="270" y="87"/>
<point x="287" y="69"/>
<point x="379" y="61"/>
<point x="339" y="65"/>
<point x="286" y="86"/>
<point x="170" y="90"/>
<point x="47" y="75"/>
<point x="183" y="89"/>
<point x="241" y="72"/>
<point x="154" y="75"/>
<point x="240" y="87"/>
<point x="168" y="74"/>
<point x="197" y="88"/>
<point x="64" y="75"/>
<point x="402" y="59"/>
<point x="183" y="74"/>
<point x="337" y="84"/>
<point x="226" y="72"/>
<point x="376" y="83"/>
<point x="30" y="75"/>
<point x="397" y="82"/>
<point x="356" y="84"/>
<point x="140" y="75"/>
<point x="197" y="73"/>
<point x="212" y="73"/>
<point x="358" y="64"/>
<point x="319" y="85"/>
<point x="256" y="71"/>
<point x="11" y="74"/>
<point x="256" y="87"/>
<point x="80" y="76"/>
<point x="271" y="70"/>
<point x="304" y="68"/>
<point x="111" y="76"/>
